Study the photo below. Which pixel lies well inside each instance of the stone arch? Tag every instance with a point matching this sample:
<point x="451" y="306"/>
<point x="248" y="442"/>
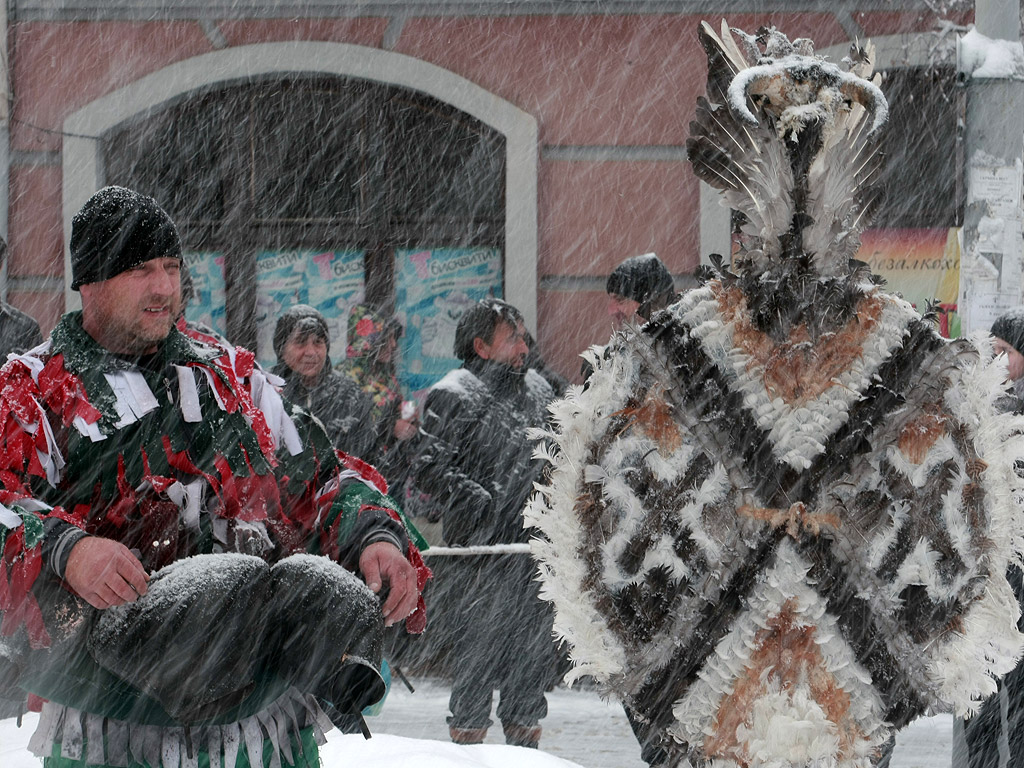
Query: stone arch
<point x="84" y="129"/>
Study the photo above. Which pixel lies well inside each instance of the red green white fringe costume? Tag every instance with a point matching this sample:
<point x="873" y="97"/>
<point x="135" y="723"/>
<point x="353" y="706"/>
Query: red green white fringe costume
<point x="252" y="465"/>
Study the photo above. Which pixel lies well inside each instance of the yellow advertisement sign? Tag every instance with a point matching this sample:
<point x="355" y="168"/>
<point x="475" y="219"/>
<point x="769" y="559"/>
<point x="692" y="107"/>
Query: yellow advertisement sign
<point x="922" y="265"/>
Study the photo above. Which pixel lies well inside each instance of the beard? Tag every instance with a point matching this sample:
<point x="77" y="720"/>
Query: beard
<point x="140" y="334"/>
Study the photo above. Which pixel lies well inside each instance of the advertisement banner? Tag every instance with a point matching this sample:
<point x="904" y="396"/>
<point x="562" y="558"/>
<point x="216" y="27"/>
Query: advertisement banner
<point x="208" y="301"/>
<point x="330" y="281"/>
<point x="922" y="265"/>
<point x="433" y="287"/>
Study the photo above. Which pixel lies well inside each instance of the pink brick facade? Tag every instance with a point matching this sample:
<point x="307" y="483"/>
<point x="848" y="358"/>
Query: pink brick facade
<point x="607" y="88"/>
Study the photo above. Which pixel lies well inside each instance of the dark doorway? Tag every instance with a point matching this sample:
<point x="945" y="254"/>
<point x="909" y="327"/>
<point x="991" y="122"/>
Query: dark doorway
<point x="313" y="164"/>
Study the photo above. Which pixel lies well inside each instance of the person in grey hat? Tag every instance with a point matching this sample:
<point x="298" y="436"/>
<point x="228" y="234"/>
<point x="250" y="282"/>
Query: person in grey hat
<point x="302" y="345"/>
<point x="185" y="556"/>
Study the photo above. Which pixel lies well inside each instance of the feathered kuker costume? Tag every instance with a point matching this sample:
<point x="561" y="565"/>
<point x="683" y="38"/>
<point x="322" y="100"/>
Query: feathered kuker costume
<point x="778" y="518"/>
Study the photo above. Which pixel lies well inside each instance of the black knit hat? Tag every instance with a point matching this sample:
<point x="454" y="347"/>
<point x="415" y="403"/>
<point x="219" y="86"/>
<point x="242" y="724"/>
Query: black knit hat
<point x="302" y="318"/>
<point x="118" y="229"/>
<point x="1010" y="328"/>
<point x="640" y="278"/>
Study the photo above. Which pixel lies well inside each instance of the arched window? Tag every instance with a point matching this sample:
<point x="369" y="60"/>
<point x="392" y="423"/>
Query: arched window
<point x="315" y="190"/>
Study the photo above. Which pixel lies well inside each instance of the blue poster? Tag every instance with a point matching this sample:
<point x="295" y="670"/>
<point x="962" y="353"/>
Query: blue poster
<point x="433" y="288"/>
<point x="330" y="281"/>
<point x="208" y="302"/>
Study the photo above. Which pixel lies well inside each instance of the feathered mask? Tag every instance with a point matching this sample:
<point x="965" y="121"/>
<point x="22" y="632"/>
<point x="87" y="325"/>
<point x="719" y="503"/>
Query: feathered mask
<point x="792" y="140"/>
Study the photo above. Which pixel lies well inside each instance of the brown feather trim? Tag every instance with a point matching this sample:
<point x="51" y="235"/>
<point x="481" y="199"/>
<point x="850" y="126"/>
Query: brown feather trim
<point x="801" y="368"/>
<point x="654" y="417"/>
<point x="786" y="651"/>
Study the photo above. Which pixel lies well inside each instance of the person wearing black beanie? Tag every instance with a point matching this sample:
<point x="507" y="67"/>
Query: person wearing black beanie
<point x="639" y="286"/>
<point x="118" y="229"/>
<point x="302" y="344"/>
<point x="126" y="262"/>
<point x="1008" y="331"/>
<point x="169" y="501"/>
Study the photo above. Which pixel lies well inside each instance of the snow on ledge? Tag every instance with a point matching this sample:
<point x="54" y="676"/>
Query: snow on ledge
<point x="982" y="57"/>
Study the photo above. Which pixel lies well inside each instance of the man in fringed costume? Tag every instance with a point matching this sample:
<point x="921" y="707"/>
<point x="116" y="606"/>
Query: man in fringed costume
<point x="180" y="546"/>
<point x="778" y="518"/>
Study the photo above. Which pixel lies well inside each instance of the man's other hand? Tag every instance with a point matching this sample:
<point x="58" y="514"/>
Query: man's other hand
<point x="383" y="563"/>
<point x="105" y="573"/>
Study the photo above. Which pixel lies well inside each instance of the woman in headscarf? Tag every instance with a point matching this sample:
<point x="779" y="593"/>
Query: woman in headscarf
<point x="302" y="344"/>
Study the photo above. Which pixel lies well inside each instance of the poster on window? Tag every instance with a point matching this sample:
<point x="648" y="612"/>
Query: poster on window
<point x="330" y="281"/>
<point x="922" y="265"/>
<point x="433" y="287"/>
<point x="206" y="307"/>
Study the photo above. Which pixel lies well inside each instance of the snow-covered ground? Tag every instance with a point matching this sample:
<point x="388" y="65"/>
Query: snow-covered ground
<point x="580" y="730"/>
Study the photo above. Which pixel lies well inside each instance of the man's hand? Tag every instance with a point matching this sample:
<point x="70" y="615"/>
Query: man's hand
<point x="382" y="563"/>
<point x="406" y="429"/>
<point x="105" y="573"/>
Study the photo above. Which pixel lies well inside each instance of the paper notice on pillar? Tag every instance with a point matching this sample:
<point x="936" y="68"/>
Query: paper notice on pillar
<point x="983" y="307"/>
<point x="287" y="278"/>
<point x="433" y="288"/>
<point x="206" y="307"/>
<point x="999" y="187"/>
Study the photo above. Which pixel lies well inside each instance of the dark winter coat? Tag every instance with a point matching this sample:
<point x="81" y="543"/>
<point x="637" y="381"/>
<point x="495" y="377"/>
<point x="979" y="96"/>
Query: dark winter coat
<point x="475" y="458"/>
<point x="476" y="461"/>
<point x="337" y="401"/>
<point x="18" y="331"/>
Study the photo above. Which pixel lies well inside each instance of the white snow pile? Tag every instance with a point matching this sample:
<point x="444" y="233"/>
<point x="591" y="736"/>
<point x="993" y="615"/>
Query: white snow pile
<point x="382" y="751"/>
<point x="982" y="57"/>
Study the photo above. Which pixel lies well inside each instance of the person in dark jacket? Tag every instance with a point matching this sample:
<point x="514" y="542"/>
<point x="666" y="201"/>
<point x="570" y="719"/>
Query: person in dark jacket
<point x="476" y="461"/>
<point x="18" y="331"/>
<point x="1008" y="339"/>
<point x="302" y="344"/>
<point x="190" y="560"/>
<point x="637" y="288"/>
<point x="994" y="738"/>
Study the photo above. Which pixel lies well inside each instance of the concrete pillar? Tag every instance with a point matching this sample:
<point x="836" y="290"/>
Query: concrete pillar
<point x="991" y="67"/>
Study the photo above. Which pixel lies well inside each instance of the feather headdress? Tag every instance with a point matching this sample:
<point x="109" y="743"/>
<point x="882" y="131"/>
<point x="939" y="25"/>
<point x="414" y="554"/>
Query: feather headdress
<point x="792" y="141"/>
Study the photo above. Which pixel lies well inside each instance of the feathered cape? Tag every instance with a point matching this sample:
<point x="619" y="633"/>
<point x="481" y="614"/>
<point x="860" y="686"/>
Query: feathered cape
<point x="777" y="552"/>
